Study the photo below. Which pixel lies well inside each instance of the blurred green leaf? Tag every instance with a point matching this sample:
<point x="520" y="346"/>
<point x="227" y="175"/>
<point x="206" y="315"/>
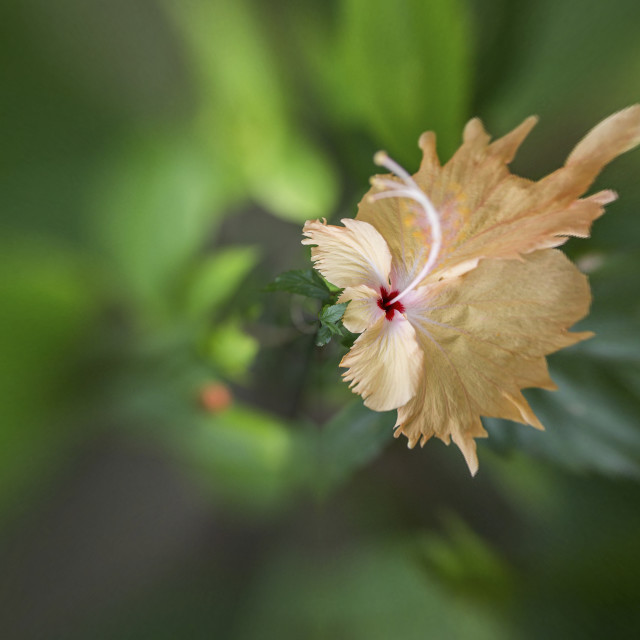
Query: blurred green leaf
<point x="579" y="566"/>
<point x="217" y="277"/>
<point x="616" y="339"/>
<point x="397" y="69"/>
<point x="615" y="312"/>
<point x="297" y="183"/>
<point x="158" y="199"/>
<point x="466" y="563"/>
<point x="606" y="36"/>
<point x="245" y="113"/>
<point x="304" y="282"/>
<point x="49" y="303"/>
<point x="245" y="455"/>
<point x="242" y="105"/>
<point x="231" y="350"/>
<point x="370" y="590"/>
<point x="354" y="437"/>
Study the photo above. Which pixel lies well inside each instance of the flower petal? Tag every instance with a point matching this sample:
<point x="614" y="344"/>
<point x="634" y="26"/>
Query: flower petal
<point x="349" y="256"/>
<point x="486" y="212"/>
<point x="485" y="335"/>
<point x="614" y="136"/>
<point x="384" y="364"/>
<point x="402" y="223"/>
<point x="363" y="309"/>
<point x="505" y="216"/>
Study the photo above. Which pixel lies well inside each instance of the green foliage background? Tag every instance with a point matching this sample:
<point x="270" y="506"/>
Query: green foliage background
<point x="157" y="161"/>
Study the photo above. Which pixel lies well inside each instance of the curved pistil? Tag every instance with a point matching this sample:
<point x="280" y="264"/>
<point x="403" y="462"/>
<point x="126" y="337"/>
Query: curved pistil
<point x="409" y="189"/>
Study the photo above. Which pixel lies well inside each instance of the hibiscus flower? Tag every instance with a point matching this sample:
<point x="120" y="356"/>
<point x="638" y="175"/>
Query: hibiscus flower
<point x="454" y="283"/>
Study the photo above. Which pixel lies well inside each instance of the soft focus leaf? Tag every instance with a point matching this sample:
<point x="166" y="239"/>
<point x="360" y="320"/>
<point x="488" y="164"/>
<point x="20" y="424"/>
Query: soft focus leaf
<point x="530" y="72"/>
<point x="463" y="560"/>
<point x="615" y="312"/>
<point x="245" y="114"/>
<point x="217" y="277"/>
<point x="155" y="203"/>
<point x="243" y="107"/>
<point x="579" y="557"/>
<point x="363" y="591"/>
<point x="244" y="454"/>
<point x="231" y="350"/>
<point x="48" y="304"/>
<point x="349" y="441"/>
<point x="297" y="184"/>
<point x="397" y="70"/>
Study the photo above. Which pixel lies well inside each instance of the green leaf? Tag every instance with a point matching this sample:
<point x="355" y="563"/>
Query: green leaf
<point x="330" y="324"/>
<point x="466" y="562"/>
<point x="304" y="282"/>
<point x="232" y="350"/>
<point x="349" y="441"/>
<point x="367" y="588"/>
<point x="298" y="183"/>
<point x="613" y="42"/>
<point x="155" y="203"/>
<point x="397" y="70"/>
<point x="49" y="304"/>
<point x="245" y="113"/>
<point x="243" y="107"/>
<point x="216" y="278"/>
<point x="333" y="313"/>
<point x="323" y="336"/>
<point x="309" y="283"/>
<point x="245" y="455"/>
<point x="615" y="313"/>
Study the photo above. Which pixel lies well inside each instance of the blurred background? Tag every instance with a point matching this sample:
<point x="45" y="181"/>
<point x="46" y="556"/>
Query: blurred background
<point x="177" y="458"/>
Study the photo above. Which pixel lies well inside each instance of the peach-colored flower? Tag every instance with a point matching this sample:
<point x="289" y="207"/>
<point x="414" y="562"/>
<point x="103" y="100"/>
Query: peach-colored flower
<point x="454" y="283"/>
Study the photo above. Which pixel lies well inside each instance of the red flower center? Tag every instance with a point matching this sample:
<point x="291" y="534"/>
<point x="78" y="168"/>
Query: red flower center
<point x="389" y="309"/>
